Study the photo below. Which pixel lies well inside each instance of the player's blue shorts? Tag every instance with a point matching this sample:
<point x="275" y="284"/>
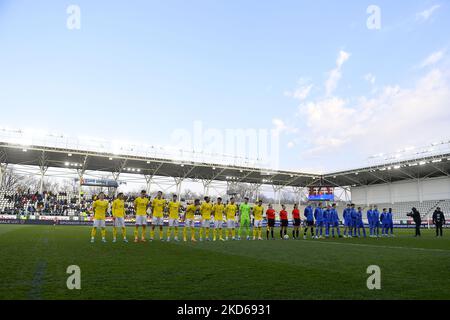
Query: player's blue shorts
<point x="348" y="223"/>
<point x="320" y="223"/>
<point x="360" y="224"/>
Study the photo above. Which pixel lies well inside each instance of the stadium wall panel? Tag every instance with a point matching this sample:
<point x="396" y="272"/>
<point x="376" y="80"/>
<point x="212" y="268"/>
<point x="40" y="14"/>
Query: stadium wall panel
<point x="403" y="191"/>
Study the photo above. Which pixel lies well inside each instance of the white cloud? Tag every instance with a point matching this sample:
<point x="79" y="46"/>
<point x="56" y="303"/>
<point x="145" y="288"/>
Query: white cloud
<point x="426" y="14"/>
<point x="301" y="92"/>
<point x="343" y="56"/>
<point x="290" y="144"/>
<point x="282" y="127"/>
<point x="433" y="58"/>
<point x="335" y="130"/>
<point x="336" y="74"/>
<point x="395" y="117"/>
<point x="370" y="78"/>
<point x="328" y="122"/>
<point x="279" y="124"/>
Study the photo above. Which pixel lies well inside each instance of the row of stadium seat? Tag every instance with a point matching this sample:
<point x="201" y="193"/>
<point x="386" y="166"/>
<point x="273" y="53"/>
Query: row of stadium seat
<point x="444" y="205"/>
<point x="426" y="208"/>
<point x="61" y="204"/>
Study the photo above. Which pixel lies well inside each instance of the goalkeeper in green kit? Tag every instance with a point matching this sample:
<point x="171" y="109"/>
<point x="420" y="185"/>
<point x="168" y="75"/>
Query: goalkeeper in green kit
<point x="244" y="210"/>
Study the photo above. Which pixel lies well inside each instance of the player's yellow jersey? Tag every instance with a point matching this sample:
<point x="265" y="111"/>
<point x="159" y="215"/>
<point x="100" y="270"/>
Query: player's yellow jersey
<point x="118" y="208"/>
<point x="230" y="211"/>
<point x="141" y="205"/>
<point x="100" y="207"/>
<point x="174" y="209"/>
<point x="258" y="212"/>
<point x="158" y="207"/>
<point x="218" y="211"/>
<point x="190" y="211"/>
<point x="206" y="210"/>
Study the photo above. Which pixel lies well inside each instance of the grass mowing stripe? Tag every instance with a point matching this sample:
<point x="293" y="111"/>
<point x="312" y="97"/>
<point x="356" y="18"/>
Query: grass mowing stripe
<point x="38" y="280"/>
<point x="308" y="260"/>
<point x="37" y="283"/>
<point x="7" y="228"/>
<point x="36" y="268"/>
<point x="376" y="246"/>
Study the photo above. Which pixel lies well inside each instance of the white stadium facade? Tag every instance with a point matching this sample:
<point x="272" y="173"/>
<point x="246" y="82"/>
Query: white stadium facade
<point x="419" y="178"/>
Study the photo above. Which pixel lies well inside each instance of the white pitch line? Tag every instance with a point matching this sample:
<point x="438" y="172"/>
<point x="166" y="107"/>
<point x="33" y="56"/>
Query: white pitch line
<point x="378" y="246"/>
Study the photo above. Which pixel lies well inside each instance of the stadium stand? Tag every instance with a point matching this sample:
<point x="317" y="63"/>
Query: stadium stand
<point x="445" y="207"/>
<point x="47" y="203"/>
<point x="400" y="209"/>
<point x="64" y="204"/>
<point x="61" y="204"/>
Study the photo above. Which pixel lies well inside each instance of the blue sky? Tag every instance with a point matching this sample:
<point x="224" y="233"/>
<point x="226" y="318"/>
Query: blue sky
<point x="336" y="91"/>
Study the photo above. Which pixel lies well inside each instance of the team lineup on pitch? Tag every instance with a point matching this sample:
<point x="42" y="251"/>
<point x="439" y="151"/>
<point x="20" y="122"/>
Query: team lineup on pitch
<point x="319" y="221"/>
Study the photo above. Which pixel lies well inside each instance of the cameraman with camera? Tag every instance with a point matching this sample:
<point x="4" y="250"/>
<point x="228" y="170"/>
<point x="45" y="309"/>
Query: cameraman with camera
<point x="417" y="220"/>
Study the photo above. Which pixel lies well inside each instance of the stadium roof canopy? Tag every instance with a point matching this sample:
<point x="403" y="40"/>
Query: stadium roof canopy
<point x="436" y="165"/>
<point x="82" y="160"/>
<point x="101" y="155"/>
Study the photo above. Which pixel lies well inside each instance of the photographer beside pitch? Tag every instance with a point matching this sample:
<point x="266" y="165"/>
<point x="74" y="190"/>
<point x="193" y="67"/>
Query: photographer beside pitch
<point x="417" y="220"/>
<point x="438" y="221"/>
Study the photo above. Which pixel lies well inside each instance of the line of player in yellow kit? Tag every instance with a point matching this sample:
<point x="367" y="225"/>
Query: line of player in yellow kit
<point x="142" y="203"/>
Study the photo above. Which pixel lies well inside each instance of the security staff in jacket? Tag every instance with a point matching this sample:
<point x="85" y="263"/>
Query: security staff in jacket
<point x="438" y="221"/>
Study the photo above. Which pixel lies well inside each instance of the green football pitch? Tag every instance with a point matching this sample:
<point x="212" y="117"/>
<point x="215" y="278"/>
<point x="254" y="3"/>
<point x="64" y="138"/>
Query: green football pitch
<point x="34" y="261"/>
